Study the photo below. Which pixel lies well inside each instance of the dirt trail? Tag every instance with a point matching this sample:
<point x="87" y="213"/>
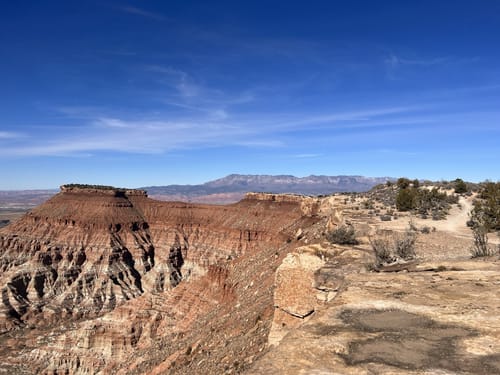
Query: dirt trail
<point x="456" y="221"/>
<point x="454" y="224"/>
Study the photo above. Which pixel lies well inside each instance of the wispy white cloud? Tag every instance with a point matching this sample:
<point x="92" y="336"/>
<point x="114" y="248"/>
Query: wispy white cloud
<point x="104" y="133"/>
<point x="202" y="130"/>
<point x="195" y="97"/>
<point x="141" y="12"/>
<point x="347" y="119"/>
<point x="176" y="78"/>
<point x="396" y="152"/>
<point x="9" y="135"/>
<point x="261" y="143"/>
<point x="78" y="111"/>
<point x="395" y="61"/>
<point x="131" y="136"/>
<point x="306" y="156"/>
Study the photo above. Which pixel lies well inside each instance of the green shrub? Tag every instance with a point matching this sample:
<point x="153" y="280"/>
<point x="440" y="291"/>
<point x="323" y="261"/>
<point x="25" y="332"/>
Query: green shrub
<point x="86" y="186"/>
<point x="425" y="202"/>
<point x="486" y="211"/>
<point x="403" y="183"/>
<point x="460" y="186"/>
<point x="406" y="199"/>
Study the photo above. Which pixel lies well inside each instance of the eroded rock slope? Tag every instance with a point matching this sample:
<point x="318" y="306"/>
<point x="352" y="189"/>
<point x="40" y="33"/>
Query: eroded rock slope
<point x="109" y="281"/>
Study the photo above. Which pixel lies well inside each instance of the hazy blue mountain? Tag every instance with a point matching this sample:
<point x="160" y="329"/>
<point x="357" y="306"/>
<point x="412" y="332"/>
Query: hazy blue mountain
<point x="236" y="183"/>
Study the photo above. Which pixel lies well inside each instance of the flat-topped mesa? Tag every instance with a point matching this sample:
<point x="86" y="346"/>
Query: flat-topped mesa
<point x="97" y="243"/>
<point x="309" y="205"/>
<point x="102" y="190"/>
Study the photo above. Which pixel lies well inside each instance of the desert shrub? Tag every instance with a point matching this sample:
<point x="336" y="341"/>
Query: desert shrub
<point x="438" y="215"/>
<point x="385" y="217"/>
<point x="404" y="245"/>
<point x="369" y="204"/>
<point x="425" y="202"/>
<point x="432" y="200"/>
<point x="403" y="183"/>
<point x="389" y="249"/>
<point x="86" y="186"/>
<point x="460" y="186"/>
<point x="343" y="235"/>
<point x="406" y="199"/>
<point x="382" y="246"/>
<point x="480" y="247"/>
<point x="416" y="183"/>
<point x="485" y="217"/>
<point x="486" y="209"/>
<point x="426" y="230"/>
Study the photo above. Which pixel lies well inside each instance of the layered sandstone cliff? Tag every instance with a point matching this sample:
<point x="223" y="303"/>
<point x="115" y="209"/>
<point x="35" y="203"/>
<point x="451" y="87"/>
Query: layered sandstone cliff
<point x="94" y="275"/>
<point x="111" y="282"/>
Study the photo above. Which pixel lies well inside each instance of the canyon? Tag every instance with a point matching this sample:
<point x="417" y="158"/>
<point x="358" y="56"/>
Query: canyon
<point x="109" y="281"/>
<point x="94" y="275"/>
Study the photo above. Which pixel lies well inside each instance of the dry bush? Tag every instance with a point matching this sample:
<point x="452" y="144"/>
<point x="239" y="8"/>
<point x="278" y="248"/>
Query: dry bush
<point x="426" y="230"/>
<point x="480" y="247"/>
<point x="343" y="235"/>
<point x="391" y="248"/>
<point x="404" y="245"/>
<point x="382" y="246"/>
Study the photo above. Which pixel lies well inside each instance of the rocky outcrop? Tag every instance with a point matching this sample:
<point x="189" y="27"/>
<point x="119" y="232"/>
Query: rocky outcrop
<point x="95" y="274"/>
<point x="294" y="295"/>
<point x="80" y="254"/>
<point x="309" y="205"/>
<point x="102" y="190"/>
<point x="439" y="319"/>
<point x="309" y="278"/>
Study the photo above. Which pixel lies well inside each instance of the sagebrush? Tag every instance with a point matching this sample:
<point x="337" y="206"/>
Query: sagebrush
<point x="343" y="235"/>
<point x="390" y="248"/>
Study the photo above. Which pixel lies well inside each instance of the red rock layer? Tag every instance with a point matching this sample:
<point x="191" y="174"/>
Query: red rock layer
<point x="154" y="268"/>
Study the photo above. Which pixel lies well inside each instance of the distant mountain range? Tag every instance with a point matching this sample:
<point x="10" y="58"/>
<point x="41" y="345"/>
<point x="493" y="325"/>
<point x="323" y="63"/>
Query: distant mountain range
<point x="233" y="187"/>
<point x="228" y="189"/>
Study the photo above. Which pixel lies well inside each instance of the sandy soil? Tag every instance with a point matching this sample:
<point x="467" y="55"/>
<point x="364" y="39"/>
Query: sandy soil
<point x="455" y="223"/>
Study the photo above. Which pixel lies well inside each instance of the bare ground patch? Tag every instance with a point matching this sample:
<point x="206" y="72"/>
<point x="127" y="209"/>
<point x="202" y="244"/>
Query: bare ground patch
<point x="412" y="342"/>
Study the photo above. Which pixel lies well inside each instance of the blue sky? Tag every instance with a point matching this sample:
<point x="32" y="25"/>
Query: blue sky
<point x="145" y="92"/>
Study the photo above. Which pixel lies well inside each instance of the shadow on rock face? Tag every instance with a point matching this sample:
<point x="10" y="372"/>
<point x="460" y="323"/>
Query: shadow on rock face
<point x="410" y="341"/>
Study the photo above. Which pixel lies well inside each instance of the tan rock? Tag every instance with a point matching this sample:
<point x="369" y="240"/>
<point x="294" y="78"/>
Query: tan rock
<point x="294" y="296"/>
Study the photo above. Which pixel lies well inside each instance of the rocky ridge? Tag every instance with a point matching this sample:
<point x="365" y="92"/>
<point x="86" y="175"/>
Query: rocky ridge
<point x="234" y="187"/>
